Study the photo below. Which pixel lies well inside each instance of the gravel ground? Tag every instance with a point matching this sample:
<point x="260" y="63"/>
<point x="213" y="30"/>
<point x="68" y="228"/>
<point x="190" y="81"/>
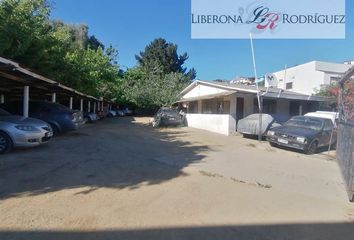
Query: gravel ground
<point x="121" y="179"/>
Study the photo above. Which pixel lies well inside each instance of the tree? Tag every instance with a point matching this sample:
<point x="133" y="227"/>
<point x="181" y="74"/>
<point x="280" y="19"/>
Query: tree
<point x="348" y="96"/>
<point x="24" y="26"/>
<point x="161" y="57"/>
<point x="159" y="76"/>
<point x="64" y="52"/>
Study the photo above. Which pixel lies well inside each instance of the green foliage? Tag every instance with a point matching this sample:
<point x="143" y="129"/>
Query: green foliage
<point x="63" y="52"/>
<point x="151" y="91"/>
<point x="22" y="26"/>
<point x="159" y="77"/>
<point x="68" y="54"/>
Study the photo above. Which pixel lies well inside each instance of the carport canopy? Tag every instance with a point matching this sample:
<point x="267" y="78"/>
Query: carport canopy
<point x="17" y="83"/>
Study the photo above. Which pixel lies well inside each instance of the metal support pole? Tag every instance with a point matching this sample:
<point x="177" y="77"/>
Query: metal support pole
<point x="94" y="107"/>
<point x="300" y="110"/>
<point x="54" y="97"/>
<point x="89" y="106"/>
<point x="258" y="92"/>
<point x="81" y="105"/>
<point x="25" y="101"/>
<point x="98" y="106"/>
<point x="71" y="103"/>
<point x="102" y="107"/>
<point x="2" y="98"/>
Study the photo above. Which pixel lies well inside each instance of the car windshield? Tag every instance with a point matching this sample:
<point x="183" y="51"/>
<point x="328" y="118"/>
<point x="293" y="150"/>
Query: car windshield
<point x="170" y="112"/>
<point x="3" y="113"/>
<point x="305" y="122"/>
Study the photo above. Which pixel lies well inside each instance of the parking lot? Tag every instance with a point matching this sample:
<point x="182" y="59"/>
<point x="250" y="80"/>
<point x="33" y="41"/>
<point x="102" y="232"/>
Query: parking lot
<point x="122" y="178"/>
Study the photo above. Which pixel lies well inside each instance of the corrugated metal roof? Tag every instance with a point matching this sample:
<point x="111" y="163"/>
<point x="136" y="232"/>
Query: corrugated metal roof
<point x="265" y="92"/>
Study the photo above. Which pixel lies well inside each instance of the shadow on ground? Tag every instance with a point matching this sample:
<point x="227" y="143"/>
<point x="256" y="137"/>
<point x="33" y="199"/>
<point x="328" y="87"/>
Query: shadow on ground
<point x="113" y="153"/>
<point x="330" y="231"/>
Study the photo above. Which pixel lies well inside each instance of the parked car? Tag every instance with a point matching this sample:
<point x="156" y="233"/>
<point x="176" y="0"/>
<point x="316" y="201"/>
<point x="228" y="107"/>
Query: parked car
<point x="90" y="117"/>
<point x="111" y="113"/>
<point x="128" y="112"/>
<point x="333" y="116"/>
<point x="249" y="125"/>
<point x="17" y="131"/>
<point x="102" y="114"/>
<point x="303" y="133"/>
<point x="167" y="117"/>
<point x="120" y="113"/>
<point x="60" y="118"/>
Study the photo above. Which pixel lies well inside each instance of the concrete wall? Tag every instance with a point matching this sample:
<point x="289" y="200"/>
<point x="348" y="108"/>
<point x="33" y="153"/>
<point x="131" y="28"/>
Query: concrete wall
<point x="218" y="123"/>
<point x="309" y="77"/>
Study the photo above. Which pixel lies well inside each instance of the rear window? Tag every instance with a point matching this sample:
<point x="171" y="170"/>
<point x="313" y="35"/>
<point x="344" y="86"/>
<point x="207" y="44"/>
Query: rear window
<point x="170" y="111"/>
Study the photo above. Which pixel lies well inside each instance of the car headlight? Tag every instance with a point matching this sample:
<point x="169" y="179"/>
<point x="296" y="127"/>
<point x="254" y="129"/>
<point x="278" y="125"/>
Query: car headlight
<point x="26" y="128"/>
<point x="271" y="133"/>
<point x="301" y="139"/>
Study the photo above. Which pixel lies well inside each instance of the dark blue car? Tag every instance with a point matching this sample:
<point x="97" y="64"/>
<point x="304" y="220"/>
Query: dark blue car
<point x="303" y="133"/>
<point x="60" y="118"/>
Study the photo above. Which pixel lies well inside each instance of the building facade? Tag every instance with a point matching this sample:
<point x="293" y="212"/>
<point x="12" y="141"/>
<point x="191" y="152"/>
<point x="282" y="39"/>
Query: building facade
<point x="217" y="107"/>
<point x="308" y="78"/>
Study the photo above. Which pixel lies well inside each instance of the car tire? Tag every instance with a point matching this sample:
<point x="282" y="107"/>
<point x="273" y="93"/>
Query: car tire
<point x="6" y="144"/>
<point x="273" y="144"/>
<point x="312" y="148"/>
<point x="55" y="129"/>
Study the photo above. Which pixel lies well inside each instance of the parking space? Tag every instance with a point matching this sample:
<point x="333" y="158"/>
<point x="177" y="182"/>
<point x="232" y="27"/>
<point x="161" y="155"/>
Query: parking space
<point x="121" y="173"/>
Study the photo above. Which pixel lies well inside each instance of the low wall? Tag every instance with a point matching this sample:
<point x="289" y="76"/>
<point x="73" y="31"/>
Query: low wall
<point x="218" y="123"/>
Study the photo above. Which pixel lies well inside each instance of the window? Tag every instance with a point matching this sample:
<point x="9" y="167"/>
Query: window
<point x="328" y="125"/>
<point x="334" y="80"/>
<point x="269" y="106"/>
<point x="193" y="107"/>
<point x="289" y="85"/>
<point x="216" y="106"/>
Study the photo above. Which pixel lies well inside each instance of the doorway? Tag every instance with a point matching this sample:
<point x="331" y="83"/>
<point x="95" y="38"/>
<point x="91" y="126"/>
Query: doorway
<point x="239" y="108"/>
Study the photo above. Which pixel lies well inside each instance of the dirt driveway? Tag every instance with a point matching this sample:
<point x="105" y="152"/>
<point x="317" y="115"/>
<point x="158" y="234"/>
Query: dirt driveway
<point x="121" y="179"/>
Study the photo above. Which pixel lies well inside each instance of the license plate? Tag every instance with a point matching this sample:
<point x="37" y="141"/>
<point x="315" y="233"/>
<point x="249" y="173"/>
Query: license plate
<point x="49" y="134"/>
<point x="173" y="119"/>
<point x="283" y="141"/>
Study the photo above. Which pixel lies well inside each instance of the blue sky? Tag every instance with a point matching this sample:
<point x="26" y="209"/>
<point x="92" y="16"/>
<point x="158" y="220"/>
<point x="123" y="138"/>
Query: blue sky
<point x="129" y="25"/>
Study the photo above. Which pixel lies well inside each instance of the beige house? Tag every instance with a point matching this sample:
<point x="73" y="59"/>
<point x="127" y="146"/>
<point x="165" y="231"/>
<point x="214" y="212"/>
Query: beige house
<point x="217" y="106"/>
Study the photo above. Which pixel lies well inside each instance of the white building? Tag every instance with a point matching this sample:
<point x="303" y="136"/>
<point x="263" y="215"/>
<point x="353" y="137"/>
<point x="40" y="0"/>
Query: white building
<point x="309" y="77"/>
<point x="217" y="106"/>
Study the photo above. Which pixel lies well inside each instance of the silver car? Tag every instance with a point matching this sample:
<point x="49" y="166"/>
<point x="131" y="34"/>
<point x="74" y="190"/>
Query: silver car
<point x="17" y="131"/>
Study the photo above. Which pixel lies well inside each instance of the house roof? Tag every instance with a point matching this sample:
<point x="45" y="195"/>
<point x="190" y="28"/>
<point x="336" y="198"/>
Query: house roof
<point x="265" y="92"/>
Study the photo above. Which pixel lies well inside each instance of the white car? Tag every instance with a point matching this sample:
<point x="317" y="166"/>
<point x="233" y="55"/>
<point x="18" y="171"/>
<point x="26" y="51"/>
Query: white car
<point x="323" y="114"/>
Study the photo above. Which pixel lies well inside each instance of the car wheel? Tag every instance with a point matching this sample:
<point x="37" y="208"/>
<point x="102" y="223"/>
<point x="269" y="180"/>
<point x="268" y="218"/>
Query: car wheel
<point x="55" y="130"/>
<point x="312" y="148"/>
<point x="272" y="144"/>
<point x="5" y="143"/>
